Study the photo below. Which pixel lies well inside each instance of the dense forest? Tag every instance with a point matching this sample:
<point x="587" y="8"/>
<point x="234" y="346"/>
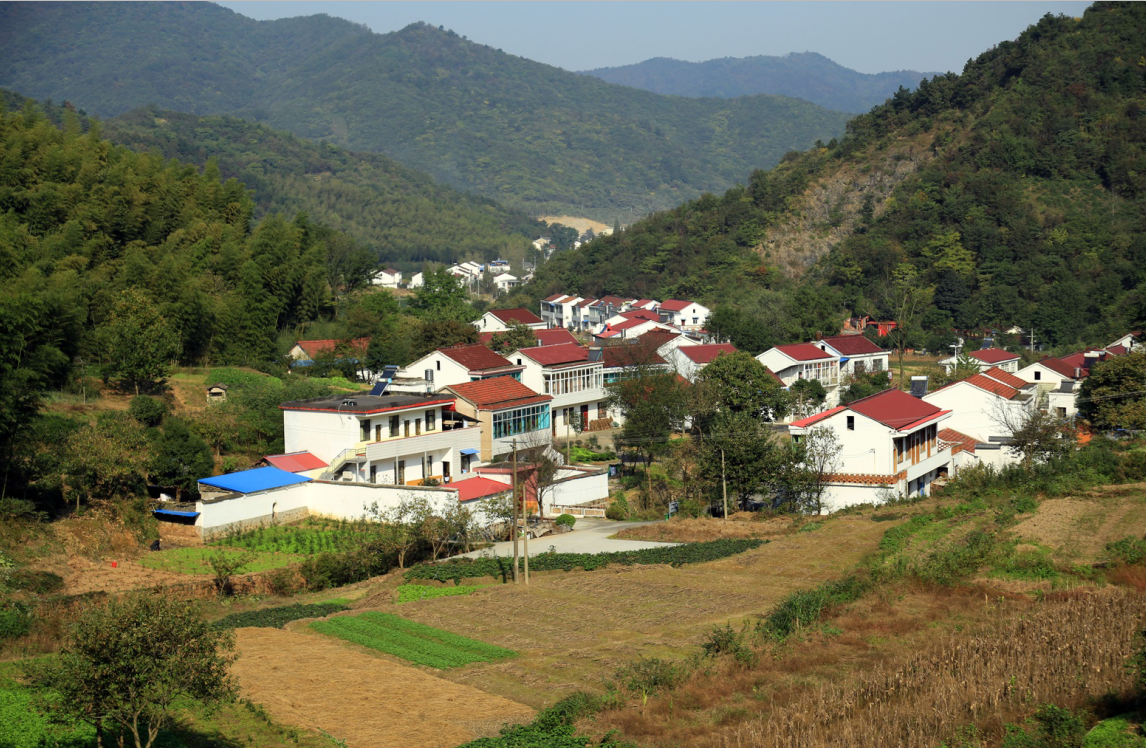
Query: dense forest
<point x="803" y="75"/>
<point x="1012" y="194"/>
<point x="525" y="134"/>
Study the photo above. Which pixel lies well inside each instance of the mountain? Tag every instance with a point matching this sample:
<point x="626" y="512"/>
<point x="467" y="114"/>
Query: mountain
<point x="1011" y="194"/>
<point x="534" y="136"/>
<point x="804" y="75"/>
<point x="399" y="212"/>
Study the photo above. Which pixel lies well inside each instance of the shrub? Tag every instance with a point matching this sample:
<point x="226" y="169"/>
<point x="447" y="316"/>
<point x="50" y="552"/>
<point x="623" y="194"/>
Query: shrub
<point x="1129" y="550"/>
<point x="150" y="411"/>
<point x="283" y="582"/>
<point x="691" y="508"/>
<point x="40" y="582"/>
<point x="15" y="619"/>
<point x="647" y="676"/>
<point x="950" y="565"/>
<point x="618" y="511"/>
<point x="565" y="520"/>
<point x="805" y="607"/>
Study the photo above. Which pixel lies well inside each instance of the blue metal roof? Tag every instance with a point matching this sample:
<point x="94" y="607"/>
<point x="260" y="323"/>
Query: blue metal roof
<point x="469" y="451"/>
<point x="249" y="481"/>
<point x="173" y="513"/>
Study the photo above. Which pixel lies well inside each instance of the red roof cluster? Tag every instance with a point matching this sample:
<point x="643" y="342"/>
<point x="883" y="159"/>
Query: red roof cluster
<point x="556" y="336"/>
<point x="803" y="352"/>
<point x="641" y="314"/>
<point x="895" y="409"/>
<point x="475" y="357"/>
<point x="707" y="353"/>
<point x="675" y="305"/>
<point x="951" y="436"/>
<point x="1005" y="377"/>
<point x="520" y="315"/>
<point x="639" y="353"/>
<point x="314" y="347"/>
<point x="295" y="462"/>
<point x="497" y="393"/>
<point x="992" y="386"/>
<point x="552" y="355"/>
<point x="852" y="345"/>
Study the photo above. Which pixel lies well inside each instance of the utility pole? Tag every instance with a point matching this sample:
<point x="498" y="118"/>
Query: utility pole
<point x="724" y="484"/>
<point x="568" y="442"/>
<point x="525" y="507"/>
<point x="515" y="556"/>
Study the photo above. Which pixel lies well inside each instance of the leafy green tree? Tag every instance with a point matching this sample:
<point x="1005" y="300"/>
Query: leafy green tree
<point x="137" y="341"/>
<point x="653" y="404"/>
<point x="807" y="395"/>
<point x="181" y="458"/>
<point x="815" y="458"/>
<point x="741" y="384"/>
<point x="739" y="450"/>
<point x="104" y="460"/>
<point x="863" y="385"/>
<point x="441" y="298"/>
<point x="1114" y="395"/>
<point x="149" y="411"/>
<point x="123" y="666"/>
<point x="518" y="336"/>
<point x="906" y="297"/>
<point x="442" y="334"/>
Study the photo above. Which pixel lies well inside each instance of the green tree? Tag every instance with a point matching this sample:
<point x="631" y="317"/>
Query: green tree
<point x="863" y="385"/>
<point x="149" y="411"/>
<point x="807" y="395"/>
<point x="104" y="460"/>
<point x="181" y="458"/>
<point x="442" y="334"/>
<point x="653" y="405"/>
<point x="137" y="341"/>
<point x="1114" y="395"/>
<point x="741" y="384"/>
<point x="740" y="451"/>
<point x="122" y="666"/>
<point x="815" y="458"/>
<point x="442" y="298"/>
<point x="906" y="297"/>
<point x="515" y="338"/>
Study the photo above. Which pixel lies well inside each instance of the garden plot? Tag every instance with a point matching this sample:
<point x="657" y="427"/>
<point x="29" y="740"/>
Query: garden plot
<point x="409" y="640"/>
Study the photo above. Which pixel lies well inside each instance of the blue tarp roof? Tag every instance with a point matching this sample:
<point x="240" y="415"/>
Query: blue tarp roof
<point x="249" y="481"/>
<point x="173" y="513"/>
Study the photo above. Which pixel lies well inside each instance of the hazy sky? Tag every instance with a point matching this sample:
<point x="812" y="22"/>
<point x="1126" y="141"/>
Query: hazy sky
<point x="870" y="37"/>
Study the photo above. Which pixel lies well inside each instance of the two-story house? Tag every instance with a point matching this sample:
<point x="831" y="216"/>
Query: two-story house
<point x="984" y="359"/>
<point x="797" y="361"/>
<point x="388" y="278"/>
<point x="887" y="441"/>
<point x="856" y="353"/>
<point x="399" y="439"/>
<point x="605" y="308"/>
<point x="1057" y="383"/>
<point x="690" y="360"/>
<point x="507" y="412"/>
<point x="556" y="336"/>
<point x="987" y="407"/>
<point x="574" y="376"/>
<point x="687" y="315"/>
<point x="461" y="363"/>
<point x="558" y="310"/>
<point x="499" y="320"/>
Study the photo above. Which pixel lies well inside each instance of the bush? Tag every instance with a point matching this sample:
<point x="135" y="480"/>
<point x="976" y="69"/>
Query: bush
<point x="690" y="508"/>
<point x="1129" y="550"/>
<point x="15" y="619"/>
<point x="805" y="607"/>
<point x="150" y="411"/>
<point x="950" y="565"/>
<point x="565" y="520"/>
<point x="283" y="582"/>
<point x="647" y="676"/>
<point x="40" y="582"/>
<point x="618" y="510"/>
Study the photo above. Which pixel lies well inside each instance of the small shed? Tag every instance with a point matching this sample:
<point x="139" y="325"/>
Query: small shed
<point x="216" y="392"/>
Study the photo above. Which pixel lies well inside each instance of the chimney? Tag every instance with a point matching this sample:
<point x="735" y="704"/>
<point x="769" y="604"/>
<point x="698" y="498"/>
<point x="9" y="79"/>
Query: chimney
<point x="595" y="353"/>
<point x="919" y="386"/>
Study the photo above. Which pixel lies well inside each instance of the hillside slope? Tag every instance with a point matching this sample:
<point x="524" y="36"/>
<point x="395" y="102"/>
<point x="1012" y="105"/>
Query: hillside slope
<point x="1012" y="194"/>
<point x="805" y="75"/>
<point x="527" y="134"/>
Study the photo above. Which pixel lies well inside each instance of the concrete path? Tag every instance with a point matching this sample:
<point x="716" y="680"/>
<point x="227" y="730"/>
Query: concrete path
<point x="590" y="535"/>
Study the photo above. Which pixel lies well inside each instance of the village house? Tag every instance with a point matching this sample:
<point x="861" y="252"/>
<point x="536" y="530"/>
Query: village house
<point x="388" y="278"/>
<point x="216" y="393"/>
<point x="984" y="359"/>
<point x="461" y="363"/>
<point x="556" y="336"/>
<point x="394" y="439"/>
<point x="1057" y="382"/>
<point x="889" y="442"/>
<point x="468" y="273"/>
<point x="621" y="362"/>
<point x="304" y="352"/>
<point x="689" y="360"/>
<point x="605" y="308"/>
<point x="417" y="280"/>
<point x="558" y="310"/>
<point x="987" y="407"/>
<point x="574" y="376"/>
<point x="499" y="320"/>
<point x="686" y="315"/>
<point x="1131" y="341"/>
<point x="797" y="361"/>
<point x="857" y="354"/>
<point x="505" y="282"/>
<point x="506" y="411"/>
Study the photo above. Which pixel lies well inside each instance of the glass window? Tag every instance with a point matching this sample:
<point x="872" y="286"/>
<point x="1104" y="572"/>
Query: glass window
<point x="394" y="428"/>
<point x="520" y="420"/>
<point x="431" y="420"/>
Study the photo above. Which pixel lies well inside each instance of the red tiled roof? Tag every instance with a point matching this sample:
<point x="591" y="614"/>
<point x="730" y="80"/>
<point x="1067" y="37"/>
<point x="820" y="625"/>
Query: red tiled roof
<point x="1059" y="366"/>
<point x="1005" y="377"/>
<point x="391" y="271"/>
<point x="1117" y="350"/>
<point x="613" y="300"/>
<point x="658" y="336"/>
<point x="520" y="315"/>
<point x="551" y="355"/>
<point x="478" y="488"/>
<point x="295" y="462"/>
<point x="587" y="302"/>
<point x="852" y="345"/>
<point x="705" y="354"/>
<point x="675" y="305"/>
<point x="629" y="324"/>
<point x="992" y="386"/>
<point x="314" y="347"/>
<point x="556" y="336"/>
<point x="894" y="408"/>
<point x="475" y="357"/>
<point x="641" y="314"/>
<point x="642" y="302"/>
<point x="993" y="355"/>
<point x="803" y="352"/>
<point x="555" y="297"/>
<point x="804" y="423"/>
<point x="497" y="393"/>
<point x="955" y="437"/>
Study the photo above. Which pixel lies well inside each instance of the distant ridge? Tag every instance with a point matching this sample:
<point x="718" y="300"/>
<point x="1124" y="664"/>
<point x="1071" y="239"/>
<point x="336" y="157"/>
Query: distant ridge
<point x="803" y="75"/>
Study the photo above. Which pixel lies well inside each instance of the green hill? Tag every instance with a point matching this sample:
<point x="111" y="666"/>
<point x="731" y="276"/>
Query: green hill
<point x="805" y="75"/>
<point x="1012" y="194"/>
<point x="526" y="134"/>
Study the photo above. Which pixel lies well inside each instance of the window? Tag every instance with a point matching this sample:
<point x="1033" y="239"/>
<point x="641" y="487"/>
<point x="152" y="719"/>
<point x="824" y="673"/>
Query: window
<point x="401" y="472"/>
<point x="465" y="464"/>
<point x="520" y="420"/>
<point x="417" y="427"/>
<point x="394" y="427"/>
<point x="377" y="433"/>
<point x="373" y="473"/>
<point x="1038" y="376"/>
<point x="439" y="365"/>
<point x="366" y="430"/>
<point x="602" y="410"/>
<point x="445" y="471"/>
<point x="851" y="423"/>
<point x="406" y="428"/>
<point x="431" y="420"/>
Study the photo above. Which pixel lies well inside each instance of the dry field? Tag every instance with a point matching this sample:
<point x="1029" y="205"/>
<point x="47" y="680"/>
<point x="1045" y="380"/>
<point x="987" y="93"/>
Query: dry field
<point x="574" y="629"/>
<point x="367" y="701"/>
<point x="575" y="222"/>
<point x="739" y="525"/>
<point x="1078" y="527"/>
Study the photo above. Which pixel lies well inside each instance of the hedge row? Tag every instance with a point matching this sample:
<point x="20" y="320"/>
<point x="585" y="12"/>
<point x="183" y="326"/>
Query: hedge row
<point x="498" y="566"/>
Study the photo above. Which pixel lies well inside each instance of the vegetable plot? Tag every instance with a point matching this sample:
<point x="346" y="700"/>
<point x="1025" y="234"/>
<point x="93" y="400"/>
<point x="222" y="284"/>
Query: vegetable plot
<point x="414" y="642"/>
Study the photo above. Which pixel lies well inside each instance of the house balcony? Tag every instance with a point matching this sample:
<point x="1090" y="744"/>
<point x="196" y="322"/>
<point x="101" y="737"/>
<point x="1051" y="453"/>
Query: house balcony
<point x="434" y="441"/>
<point x="938" y="459"/>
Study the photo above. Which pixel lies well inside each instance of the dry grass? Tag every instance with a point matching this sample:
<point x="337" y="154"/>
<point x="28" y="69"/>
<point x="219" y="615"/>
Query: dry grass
<point x="684" y="530"/>
<point x="1078" y="528"/>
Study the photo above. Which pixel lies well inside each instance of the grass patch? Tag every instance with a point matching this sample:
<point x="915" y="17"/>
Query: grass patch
<point x="689" y="553"/>
<point x="21" y="726"/>
<point x="410" y="641"/>
<point x="280" y="616"/>
<point x="307" y="539"/>
<point x="195" y="560"/>
<point x="1116" y="732"/>
<point x="408" y="593"/>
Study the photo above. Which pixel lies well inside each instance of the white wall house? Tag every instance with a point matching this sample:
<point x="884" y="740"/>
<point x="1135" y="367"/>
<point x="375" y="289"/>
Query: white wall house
<point x="687" y="315"/>
<point x="985" y="408"/>
<point x="984" y="359"/>
<point x="690" y="360"/>
<point x="856" y="353"/>
<point x="504" y="282"/>
<point x="1131" y="341"/>
<point x="417" y="280"/>
<point x="574" y="376"/>
<point x="393" y="439"/>
<point x="499" y="320"/>
<point x="462" y="363"/>
<point x="558" y="310"/>
<point x="506" y="410"/>
<point x="388" y="278"/>
<point x="797" y="361"/>
<point x="888" y="441"/>
<point x="1056" y="382"/>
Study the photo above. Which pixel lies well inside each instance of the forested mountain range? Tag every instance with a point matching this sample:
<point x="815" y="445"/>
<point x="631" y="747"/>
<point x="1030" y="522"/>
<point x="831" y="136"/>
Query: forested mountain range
<point x="523" y="133"/>
<point x="803" y="75"/>
<point x="1011" y="194"/>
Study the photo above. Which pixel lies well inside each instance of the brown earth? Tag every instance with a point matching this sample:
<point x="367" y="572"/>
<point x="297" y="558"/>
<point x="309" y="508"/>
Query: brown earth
<point x="681" y="530"/>
<point x="575" y="222"/>
<point x="82" y="575"/>
<point x="1078" y="528"/>
<point x="366" y="700"/>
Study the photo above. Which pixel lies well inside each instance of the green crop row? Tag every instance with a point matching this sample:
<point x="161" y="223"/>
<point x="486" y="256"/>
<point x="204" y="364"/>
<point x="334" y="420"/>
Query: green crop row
<point x="408" y="593"/>
<point x="308" y="539"/>
<point x="676" y="555"/>
<point x="278" y="617"/>
<point x="413" y="642"/>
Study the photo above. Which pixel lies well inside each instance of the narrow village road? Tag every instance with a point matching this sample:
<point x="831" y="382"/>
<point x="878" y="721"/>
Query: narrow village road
<point x="590" y="535"/>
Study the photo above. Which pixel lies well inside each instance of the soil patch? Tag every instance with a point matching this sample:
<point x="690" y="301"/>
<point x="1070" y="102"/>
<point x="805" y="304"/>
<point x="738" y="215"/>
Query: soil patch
<point x="575" y="222"/>
<point x="370" y="702"/>
<point x="83" y="575"/>
<point x="679" y="530"/>
<point x="1078" y="529"/>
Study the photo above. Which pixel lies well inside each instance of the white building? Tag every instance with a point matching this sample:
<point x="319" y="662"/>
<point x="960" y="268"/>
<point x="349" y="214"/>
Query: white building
<point x="856" y="353"/>
<point x="393" y="439"/>
<point x="558" y="310"/>
<point x="1131" y="341"/>
<point x="687" y="315"/>
<point x="388" y="278"/>
<point x="461" y="363"/>
<point x="574" y="376"/>
<point x="985" y="359"/>
<point x="507" y="411"/>
<point x="504" y="282"/>
<point x="499" y="320"/>
<point x="888" y="441"/>
<point x="986" y="408"/>
<point x="797" y="361"/>
<point x="690" y="360"/>
<point x="417" y="280"/>
<point x="1056" y="382"/>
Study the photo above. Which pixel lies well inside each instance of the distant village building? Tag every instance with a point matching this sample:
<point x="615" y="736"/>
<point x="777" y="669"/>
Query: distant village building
<point x="216" y="392"/>
<point x="499" y="320"/>
<point x="985" y="359"/>
<point x="388" y="278"/>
